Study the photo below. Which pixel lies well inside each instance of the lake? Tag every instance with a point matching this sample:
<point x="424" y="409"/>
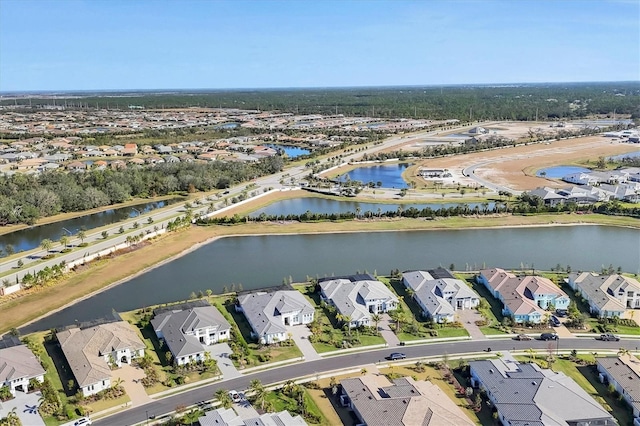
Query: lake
<point x="390" y="175"/>
<point x="263" y="261"/>
<point x="627" y="155"/>
<point x="297" y="206"/>
<point x="558" y="172"/>
<point x="290" y="150"/>
<point x="30" y="238"/>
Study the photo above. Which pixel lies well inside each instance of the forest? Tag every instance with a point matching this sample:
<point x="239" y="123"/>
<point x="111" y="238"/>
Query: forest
<point x="524" y="102"/>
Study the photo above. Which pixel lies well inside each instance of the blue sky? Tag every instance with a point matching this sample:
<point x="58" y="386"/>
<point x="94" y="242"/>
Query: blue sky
<point x="156" y="44"/>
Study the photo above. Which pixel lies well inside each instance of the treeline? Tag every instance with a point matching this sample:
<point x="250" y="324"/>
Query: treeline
<point x="25" y="198"/>
<point x="522" y="207"/>
<point x="516" y="102"/>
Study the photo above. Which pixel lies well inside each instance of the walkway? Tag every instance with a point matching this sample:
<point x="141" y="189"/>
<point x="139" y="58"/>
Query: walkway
<point x="26" y="406"/>
<point x="386" y="331"/>
<point x="301" y="335"/>
<point x="131" y="377"/>
<point x="468" y="318"/>
<point x="220" y="352"/>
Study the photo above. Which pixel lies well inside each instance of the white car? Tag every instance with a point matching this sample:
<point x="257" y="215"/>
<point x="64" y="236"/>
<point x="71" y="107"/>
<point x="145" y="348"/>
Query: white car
<point x="84" y="421"/>
<point x="235" y="396"/>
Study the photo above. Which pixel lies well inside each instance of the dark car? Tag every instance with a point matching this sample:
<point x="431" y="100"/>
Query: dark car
<point x="548" y="336"/>
<point x="561" y="313"/>
<point x="555" y="321"/>
<point x="608" y="337"/>
<point x="396" y="355"/>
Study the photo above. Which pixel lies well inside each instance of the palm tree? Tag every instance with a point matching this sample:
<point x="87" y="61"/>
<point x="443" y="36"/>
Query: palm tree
<point x="46" y="244"/>
<point x="82" y="234"/>
<point x="64" y="241"/>
<point x="259" y="393"/>
<point x="222" y="395"/>
<point x="376" y="318"/>
<point x="531" y="354"/>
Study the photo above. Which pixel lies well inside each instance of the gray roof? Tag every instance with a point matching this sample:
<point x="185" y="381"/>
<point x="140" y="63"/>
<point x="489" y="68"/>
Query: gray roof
<point x="432" y="292"/>
<point x="626" y="371"/>
<point x="263" y="309"/>
<point x="228" y="417"/>
<point x="601" y="289"/>
<point x="18" y="362"/>
<point x="523" y="393"/>
<point x="349" y="297"/>
<point x="404" y="402"/>
<point x="84" y="349"/>
<point x="174" y="324"/>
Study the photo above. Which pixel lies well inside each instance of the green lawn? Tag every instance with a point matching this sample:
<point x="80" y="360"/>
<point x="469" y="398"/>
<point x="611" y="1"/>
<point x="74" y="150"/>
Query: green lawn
<point x="280" y="402"/>
<point x="488" y="330"/>
<point x="442" y="332"/>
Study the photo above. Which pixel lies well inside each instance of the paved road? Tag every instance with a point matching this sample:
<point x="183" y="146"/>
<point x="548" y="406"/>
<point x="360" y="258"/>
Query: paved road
<point x="205" y="393"/>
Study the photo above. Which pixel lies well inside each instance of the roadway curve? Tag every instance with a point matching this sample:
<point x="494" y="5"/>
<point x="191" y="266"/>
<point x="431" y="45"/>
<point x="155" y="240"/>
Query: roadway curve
<point x="160" y="407"/>
<point x="470" y="172"/>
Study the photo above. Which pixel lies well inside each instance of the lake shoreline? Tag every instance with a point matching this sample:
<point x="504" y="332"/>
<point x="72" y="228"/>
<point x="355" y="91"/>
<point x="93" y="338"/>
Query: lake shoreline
<point x="283" y="232"/>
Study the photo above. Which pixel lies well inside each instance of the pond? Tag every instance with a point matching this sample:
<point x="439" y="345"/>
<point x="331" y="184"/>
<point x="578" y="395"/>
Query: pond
<point x="30" y="238"/>
<point x="290" y="150"/>
<point x="389" y="175"/>
<point x="627" y="155"/>
<point x="264" y="261"/>
<point x="297" y="206"/>
<point x="558" y="172"/>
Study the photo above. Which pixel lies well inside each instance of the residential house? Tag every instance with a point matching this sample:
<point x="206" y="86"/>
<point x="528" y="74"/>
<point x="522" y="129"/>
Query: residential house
<point x="130" y="149"/>
<point x="228" y="417"/>
<point x="18" y="365"/>
<point x="548" y="196"/>
<point x="76" y="166"/>
<point x="185" y="328"/>
<point x="608" y="295"/>
<point x="358" y="297"/>
<point x="525" y="394"/>
<point x="525" y="298"/>
<point x="376" y="401"/>
<point x="439" y="294"/>
<point x="623" y="372"/>
<point x="90" y="352"/>
<point x="270" y="313"/>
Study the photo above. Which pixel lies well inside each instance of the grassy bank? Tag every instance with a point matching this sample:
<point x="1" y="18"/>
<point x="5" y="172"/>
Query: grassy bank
<point x="17" y="311"/>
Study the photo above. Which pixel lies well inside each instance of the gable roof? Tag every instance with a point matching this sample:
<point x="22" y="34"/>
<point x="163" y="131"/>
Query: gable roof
<point x="625" y="370"/>
<point x="524" y="393"/>
<point x="84" y="349"/>
<point x="350" y="297"/>
<point x="17" y="362"/>
<point x="263" y="309"/>
<point x="601" y="289"/>
<point x="432" y="292"/>
<point x="174" y="326"/>
<point x="403" y="402"/>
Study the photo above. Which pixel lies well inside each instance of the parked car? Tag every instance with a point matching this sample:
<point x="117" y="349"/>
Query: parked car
<point x="235" y="396"/>
<point x="83" y="421"/>
<point x="608" y="337"/>
<point x="555" y="321"/>
<point x="548" y="336"/>
<point x="561" y="313"/>
<point x="396" y="355"/>
<point x="522" y="337"/>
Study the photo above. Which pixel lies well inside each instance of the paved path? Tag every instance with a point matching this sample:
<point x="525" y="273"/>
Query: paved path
<point x="468" y="318"/>
<point x="220" y="352"/>
<point x="388" y="334"/>
<point x="131" y="377"/>
<point x="26" y="405"/>
<point x="301" y="335"/>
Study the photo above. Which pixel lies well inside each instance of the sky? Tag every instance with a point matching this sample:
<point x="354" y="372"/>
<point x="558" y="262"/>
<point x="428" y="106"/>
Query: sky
<point x="62" y="45"/>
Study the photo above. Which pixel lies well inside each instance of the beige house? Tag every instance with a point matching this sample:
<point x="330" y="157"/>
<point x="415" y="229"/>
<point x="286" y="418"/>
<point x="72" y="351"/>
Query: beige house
<point x="18" y="365"/>
<point x="91" y="351"/>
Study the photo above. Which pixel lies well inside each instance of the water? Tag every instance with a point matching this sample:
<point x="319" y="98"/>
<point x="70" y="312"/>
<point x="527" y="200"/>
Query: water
<point x="558" y="172"/>
<point x="262" y="261"/>
<point x="290" y="151"/>
<point x="627" y="155"/>
<point x="227" y="126"/>
<point x="30" y="238"/>
<point x="297" y="206"/>
<point x="389" y="174"/>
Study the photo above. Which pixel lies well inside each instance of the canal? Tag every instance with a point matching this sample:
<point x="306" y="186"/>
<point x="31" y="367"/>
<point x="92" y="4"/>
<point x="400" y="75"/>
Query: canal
<point x="263" y="261"/>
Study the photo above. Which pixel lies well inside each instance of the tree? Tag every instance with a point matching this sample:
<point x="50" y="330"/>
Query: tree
<point x="20" y="263"/>
<point x="46" y="244"/>
<point x="376" y="318"/>
<point x="259" y="393"/>
<point x="104" y="234"/>
<point x="82" y="234"/>
<point x="222" y="395"/>
<point x="9" y="249"/>
<point x="64" y="241"/>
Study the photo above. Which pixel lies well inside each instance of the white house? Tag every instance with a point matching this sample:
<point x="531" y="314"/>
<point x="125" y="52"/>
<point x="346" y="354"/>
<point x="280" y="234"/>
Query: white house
<point x="358" y="299"/>
<point x="608" y="295"/>
<point x="186" y="328"/>
<point x="270" y="313"/>
<point x="623" y="372"/>
<point x="439" y="293"/>
<point x="18" y="365"/>
<point x="91" y="351"/>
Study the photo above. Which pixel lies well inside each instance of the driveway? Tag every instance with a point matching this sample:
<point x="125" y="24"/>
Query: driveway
<point x="301" y="335"/>
<point x="245" y="410"/>
<point x="387" y="334"/>
<point x="220" y="352"/>
<point x="26" y="405"/>
<point x="468" y="318"/>
<point x="131" y="377"/>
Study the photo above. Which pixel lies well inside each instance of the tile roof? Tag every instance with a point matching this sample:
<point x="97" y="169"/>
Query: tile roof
<point x="18" y="362"/>
<point x="601" y="289"/>
<point x="431" y="291"/>
<point x="349" y="296"/>
<point x="625" y="370"/>
<point x="262" y="309"/>
<point x="84" y="349"/>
